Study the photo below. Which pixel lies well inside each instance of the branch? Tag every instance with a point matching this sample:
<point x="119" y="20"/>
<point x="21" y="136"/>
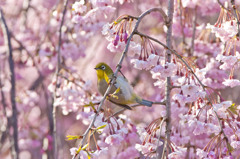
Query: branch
<point x="165" y="17"/>
<point x="168" y="81"/>
<point x="29" y="54"/>
<point x="175" y="53"/>
<point x="181" y="23"/>
<point x="58" y="67"/>
<point x="160" y="129"/>
<point x="40" y="77"/>
<point x="119" y="65"/>
<point x="222" y="5"/>
<point x="236" y="16"/>
<point x="26" y="6"/>
<point x="194" y="30"/>
<point x="135" y="105"/>
<point x="14" y="119"/>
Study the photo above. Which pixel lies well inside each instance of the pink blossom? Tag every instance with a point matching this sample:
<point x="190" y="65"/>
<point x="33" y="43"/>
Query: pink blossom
<point x="148" y="147"/>
<point x="167" y="70"/>
<point x="201" y="153"/>
<point x="130" y="153"/>
<point x="73" y="151"/>
<point x="227" y="30"/>
<point x="152" y="60"/>
<point x="114" y="139"/>
<point x="228" y="61"/>
<point x="79" y="7"/>
<point x="179" y="153"/>
<point x="101" y="3"/>
<point x="101" y="154"/>
<point x="189" y="89"/>
<point x="139" y="64"/>
<point x="231" y="82"/>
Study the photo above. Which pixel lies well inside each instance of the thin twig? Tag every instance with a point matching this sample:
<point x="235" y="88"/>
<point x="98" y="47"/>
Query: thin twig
<point x="29" y="54"/>
<point x="14" y="118"/>
<point x="26" y="6"/>
<point x="49" y="107"/>
<point x="135" y="105"/>
<point x="222" y="5"/>
<point x="194" y="30"/>
<point x="181" y="23"/>
<point x="58" y="67"/>
<point x="119" y="65"/>
<point x="160" y="129"/>
<point x="40" y="77"/>
<point x="165" y="17"/>
<point x="236" y="16"/>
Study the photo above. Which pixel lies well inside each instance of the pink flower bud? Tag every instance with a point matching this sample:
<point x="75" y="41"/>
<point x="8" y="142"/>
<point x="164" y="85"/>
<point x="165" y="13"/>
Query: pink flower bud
<point x="125" y="37"/>
<point x="115" y="42"/>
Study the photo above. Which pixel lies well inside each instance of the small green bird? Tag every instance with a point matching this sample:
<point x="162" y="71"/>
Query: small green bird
<point x="121" y="92"/>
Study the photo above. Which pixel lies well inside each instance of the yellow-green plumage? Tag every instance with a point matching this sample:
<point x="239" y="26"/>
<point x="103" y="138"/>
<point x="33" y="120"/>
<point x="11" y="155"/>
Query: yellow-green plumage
<point x="125" y="95"/>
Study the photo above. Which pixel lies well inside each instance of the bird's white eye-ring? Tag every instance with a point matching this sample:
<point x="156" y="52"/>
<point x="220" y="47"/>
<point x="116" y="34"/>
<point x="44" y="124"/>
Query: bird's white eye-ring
<point x="103" y="67"/>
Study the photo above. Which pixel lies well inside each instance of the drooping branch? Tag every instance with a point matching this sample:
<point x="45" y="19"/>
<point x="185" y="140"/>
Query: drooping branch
<point x="194" y="30"/>
<point x="14" y="118"/>
<point x="222" y="5"/>
<point x="192" y="72"/>
<point x="40" y="77"/>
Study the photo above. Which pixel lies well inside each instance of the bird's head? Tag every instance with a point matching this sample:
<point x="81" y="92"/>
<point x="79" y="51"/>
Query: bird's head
<point x="103" y="70"/>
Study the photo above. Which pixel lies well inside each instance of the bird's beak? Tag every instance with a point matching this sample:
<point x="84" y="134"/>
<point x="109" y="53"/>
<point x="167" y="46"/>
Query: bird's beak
<point x="96" y="68"/>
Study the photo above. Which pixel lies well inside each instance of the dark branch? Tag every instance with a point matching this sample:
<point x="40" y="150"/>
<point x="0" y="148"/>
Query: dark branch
<point x="14" y="119"/>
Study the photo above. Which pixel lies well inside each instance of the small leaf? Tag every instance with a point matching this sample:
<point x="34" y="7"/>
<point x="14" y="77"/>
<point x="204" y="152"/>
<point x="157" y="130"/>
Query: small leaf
<point x="73" y="137"/>
<point x="230" y="148"/>
<point x="100" y="127"/>
<point x="84" y="148"/>
<point x="233" y="109"/>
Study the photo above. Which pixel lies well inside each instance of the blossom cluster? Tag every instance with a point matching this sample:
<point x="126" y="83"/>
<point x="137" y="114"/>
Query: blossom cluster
<point x="56" y="80"/>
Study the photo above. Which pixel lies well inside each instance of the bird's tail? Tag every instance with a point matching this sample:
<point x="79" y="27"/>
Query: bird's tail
<point x="145" y="102"/>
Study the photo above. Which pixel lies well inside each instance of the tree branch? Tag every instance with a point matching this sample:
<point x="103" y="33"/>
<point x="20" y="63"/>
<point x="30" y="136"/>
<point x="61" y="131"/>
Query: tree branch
<point x="135" y="105"/>
<point x="194" y="30"/>
<point x="58" y="67"/>
<point x="14" y="118"/>
<point x="236" y="16"/>
<point x="168" y="81"/>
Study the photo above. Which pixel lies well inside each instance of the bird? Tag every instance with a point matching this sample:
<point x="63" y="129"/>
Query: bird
<point x="121" y="93"/>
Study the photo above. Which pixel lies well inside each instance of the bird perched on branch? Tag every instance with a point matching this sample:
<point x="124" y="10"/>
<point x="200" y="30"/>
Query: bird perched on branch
<point x="121" y="92"/>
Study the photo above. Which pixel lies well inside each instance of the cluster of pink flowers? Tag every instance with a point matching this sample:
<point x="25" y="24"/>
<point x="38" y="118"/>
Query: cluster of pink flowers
<point x="205" y="120"/>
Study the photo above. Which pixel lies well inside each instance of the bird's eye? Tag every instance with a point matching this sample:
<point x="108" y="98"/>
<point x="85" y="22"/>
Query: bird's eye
<point x="103" y="67"/>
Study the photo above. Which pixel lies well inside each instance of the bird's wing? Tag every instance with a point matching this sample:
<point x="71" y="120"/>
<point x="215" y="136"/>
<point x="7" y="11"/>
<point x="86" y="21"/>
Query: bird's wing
<point x="125" y="88"/>
<point x="121" y="105"/>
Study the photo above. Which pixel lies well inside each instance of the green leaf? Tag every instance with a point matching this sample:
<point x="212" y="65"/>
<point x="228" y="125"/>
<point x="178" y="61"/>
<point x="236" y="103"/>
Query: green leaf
<point x="73" y="137"/>
<point x="84" y="147"/>
<point x="233" y="109"/>
<point x="100" y="127"/>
